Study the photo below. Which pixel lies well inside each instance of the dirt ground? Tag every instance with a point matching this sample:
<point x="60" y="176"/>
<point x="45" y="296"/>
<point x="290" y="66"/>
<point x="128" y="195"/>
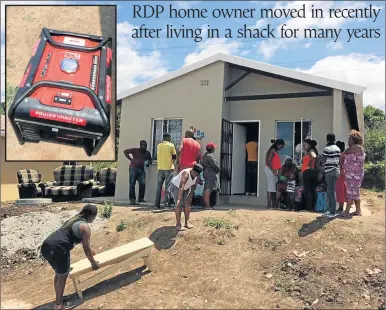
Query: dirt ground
<point x="253" y="259"/>
<point x="23" y="27"/>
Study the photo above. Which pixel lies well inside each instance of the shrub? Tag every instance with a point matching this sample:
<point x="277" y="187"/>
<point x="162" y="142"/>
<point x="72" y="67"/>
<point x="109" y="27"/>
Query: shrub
<point x="122" y="226"/>
<point x="106" y="210"/>
<point x="105" y="164"/>
<point x="375" y="175"/>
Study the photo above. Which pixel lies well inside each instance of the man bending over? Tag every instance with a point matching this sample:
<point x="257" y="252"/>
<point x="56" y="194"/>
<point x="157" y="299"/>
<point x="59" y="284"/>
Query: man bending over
<point x="182" y="188"/>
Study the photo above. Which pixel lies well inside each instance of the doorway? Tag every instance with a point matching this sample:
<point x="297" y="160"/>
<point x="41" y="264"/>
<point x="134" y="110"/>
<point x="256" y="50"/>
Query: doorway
<point x="245" y="174"/>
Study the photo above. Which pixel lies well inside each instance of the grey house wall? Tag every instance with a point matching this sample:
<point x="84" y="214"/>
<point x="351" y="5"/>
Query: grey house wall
<point x="184" y="97"/>
<point x="319" y="109"/>
<point x="204" y="107"/>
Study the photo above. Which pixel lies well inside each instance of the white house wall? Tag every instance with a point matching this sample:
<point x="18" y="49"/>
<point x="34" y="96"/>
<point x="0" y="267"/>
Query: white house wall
<point x="183" y="97"/>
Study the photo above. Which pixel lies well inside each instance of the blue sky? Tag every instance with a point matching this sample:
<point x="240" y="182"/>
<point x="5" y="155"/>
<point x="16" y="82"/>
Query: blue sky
<point x="360" y="61"/>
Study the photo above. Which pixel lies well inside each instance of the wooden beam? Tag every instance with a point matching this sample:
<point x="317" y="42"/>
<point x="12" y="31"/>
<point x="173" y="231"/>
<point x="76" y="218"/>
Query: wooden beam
<point x="111" y="256"/>
<point x="98" y="277"/>
<point x="279" y="96"/>
<point x="280" y="77"/>
<point x="241" y="77"/>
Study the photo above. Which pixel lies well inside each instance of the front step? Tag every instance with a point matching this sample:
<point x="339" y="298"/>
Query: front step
<point x="243" y="200"/>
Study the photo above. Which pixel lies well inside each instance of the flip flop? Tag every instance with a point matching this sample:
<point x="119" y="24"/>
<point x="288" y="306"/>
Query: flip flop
<point x="180" y="228"/>
<point x="189" y="226"/>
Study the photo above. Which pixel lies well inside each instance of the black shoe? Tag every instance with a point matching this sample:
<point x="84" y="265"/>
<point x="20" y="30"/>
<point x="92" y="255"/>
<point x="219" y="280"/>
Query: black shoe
<point x="132" y="202"/>
<point x="141" y="201"/>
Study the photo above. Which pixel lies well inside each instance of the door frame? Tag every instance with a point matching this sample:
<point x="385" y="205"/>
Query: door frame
<point x="259" y="151"/>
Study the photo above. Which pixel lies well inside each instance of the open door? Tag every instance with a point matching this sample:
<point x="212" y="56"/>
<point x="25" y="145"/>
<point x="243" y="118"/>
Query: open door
<point x="238" y="159"/>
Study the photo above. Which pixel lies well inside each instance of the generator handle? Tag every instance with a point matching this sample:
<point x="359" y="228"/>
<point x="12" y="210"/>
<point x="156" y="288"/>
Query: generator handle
<point x="83" y="89"/>
<point x="102" y="40"/>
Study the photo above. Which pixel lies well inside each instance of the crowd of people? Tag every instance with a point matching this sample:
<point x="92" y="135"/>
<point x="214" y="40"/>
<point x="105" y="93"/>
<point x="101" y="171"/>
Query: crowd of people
<point x="181" y="171"/>
<point x="337" y="171"/>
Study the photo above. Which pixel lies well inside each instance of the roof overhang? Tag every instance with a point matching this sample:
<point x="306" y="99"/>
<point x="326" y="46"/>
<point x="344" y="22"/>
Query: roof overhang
<point x="246" y="63"/>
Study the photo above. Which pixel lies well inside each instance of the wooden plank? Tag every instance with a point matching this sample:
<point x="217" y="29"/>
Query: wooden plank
<point x="77" y="289"/>
<point x="147" y="261"/>
<point x="125" y="263"/>
<point x="110" y="257"/>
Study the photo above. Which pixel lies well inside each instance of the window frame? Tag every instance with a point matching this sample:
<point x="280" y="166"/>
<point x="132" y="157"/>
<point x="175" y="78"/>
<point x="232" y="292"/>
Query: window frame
<point x="293" y="129"/>
<point x="154" y="148"/>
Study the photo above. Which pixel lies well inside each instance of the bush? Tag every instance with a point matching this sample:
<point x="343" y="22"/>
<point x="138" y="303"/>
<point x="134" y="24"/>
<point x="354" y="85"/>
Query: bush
<point x="375" y="175"/>
<point x="375" y="141"/>
<point x="106" y="210"/>
<point x="122" y="226"/>
<point x="100" y="165"/>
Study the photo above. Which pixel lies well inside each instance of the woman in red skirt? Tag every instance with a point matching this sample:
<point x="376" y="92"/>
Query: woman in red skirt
<point x="341" y="186"/>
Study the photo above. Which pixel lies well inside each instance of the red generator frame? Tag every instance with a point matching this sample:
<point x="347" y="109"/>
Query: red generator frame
<point x="66" y="91"/>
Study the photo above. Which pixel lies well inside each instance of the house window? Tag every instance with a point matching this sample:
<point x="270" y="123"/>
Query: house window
<point x="160" y="126"/>
<point x="293" y="133"/>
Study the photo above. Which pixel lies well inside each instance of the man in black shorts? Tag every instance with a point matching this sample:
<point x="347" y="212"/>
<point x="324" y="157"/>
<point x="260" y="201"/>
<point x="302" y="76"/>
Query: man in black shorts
<point x="56" y="249"/>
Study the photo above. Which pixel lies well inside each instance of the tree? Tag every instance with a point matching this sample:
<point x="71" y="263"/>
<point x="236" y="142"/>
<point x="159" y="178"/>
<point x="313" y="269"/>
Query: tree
<point x="375" y="142"/>
<point x="374" y="118"/>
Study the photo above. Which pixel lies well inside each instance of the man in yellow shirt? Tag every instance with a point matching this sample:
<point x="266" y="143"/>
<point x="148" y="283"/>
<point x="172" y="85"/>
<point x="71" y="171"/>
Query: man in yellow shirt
<point x="252" y="154"/>
<point x="166" y="154"/>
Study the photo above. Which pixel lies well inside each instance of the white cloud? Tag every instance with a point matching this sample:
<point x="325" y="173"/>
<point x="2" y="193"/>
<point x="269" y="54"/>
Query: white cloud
<point x="261" y="23"/>
<point x="335" y="46"/>
<point x="271" y="46"/>
<point x="211" y="47"/>
<point x="133" y="66"/>
<point x="307" y="45"/>
<point x="185" y="4"/>
<point x="359" y="69"/>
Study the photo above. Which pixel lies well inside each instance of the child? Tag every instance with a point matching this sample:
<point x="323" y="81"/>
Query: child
<point x="197" y="202"/>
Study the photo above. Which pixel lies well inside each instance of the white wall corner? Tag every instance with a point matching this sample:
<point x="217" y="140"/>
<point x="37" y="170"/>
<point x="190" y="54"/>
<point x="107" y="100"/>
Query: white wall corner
<point x="338" y="113"/>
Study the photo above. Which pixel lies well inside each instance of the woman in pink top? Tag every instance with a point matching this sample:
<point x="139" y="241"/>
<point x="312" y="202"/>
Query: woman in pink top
<point x="341" y="185"/>
<point x="189" y="152"/>
<point x="354" y="170"/>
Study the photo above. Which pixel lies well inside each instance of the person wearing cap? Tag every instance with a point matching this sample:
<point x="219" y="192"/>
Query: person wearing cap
<point x="181" y="189"/>
<point x="211" y="169"/>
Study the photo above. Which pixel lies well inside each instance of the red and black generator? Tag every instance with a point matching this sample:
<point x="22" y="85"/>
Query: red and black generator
<point x="65" y="93"/>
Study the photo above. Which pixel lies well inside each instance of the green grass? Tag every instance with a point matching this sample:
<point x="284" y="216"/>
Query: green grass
<point x="122" y="226"/>
<point x="231" y="212"/>
<point x="217" y="223"/>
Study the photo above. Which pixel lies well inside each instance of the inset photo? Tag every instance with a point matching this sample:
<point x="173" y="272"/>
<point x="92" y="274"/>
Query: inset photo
<point x="60" y="83"/>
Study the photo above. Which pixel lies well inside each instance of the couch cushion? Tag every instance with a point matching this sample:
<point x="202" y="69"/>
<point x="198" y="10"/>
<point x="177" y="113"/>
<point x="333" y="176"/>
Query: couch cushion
<point x="35" y="185"/>
<point x="98" y="189"/>
<point x="60" y="190"/>
<point x="107" y="175"/>
<point x="70" y="175"/>
<point x="26" y="176"/>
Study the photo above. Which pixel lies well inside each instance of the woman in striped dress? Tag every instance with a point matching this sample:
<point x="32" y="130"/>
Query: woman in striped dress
<point x="354" y="170"/>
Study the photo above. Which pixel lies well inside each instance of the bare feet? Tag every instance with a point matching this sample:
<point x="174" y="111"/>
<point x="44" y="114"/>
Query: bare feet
<point x="189" y="226"/>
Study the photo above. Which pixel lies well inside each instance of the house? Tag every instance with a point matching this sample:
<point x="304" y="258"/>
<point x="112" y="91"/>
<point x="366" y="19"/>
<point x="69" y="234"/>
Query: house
<point x="227" y="98"/>
<point x="8" y="170"/>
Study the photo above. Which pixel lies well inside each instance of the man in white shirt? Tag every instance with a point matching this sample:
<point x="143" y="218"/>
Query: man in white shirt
<point x="181" y="189"/>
